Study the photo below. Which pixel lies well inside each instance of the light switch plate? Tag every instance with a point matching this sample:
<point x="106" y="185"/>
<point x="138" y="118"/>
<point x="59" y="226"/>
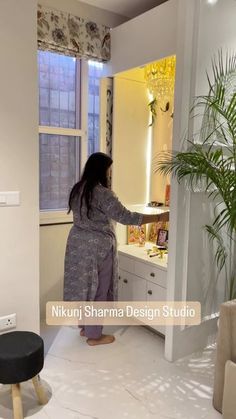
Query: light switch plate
<point x="3" y="199"/>
<point x="9" y="198"/>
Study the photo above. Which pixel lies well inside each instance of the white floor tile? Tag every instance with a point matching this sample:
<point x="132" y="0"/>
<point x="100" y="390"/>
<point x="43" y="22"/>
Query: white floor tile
<point x="128" y="379"/>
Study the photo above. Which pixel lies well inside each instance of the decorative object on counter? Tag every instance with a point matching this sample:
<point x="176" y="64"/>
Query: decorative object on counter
<point x="152" y="237"/>
<point x="157" y="251"/>
<point x="208" y="164"/>
<point x="160" y="78"/>
<point x="153" y="230"/>
<point x="137" y="234"/>
<point x="155" y="204"/>
<point x="167" y="196"/>
<point x="162" y="237"/>
<point x="142" y="235"/>
<point x="160" y="253"/>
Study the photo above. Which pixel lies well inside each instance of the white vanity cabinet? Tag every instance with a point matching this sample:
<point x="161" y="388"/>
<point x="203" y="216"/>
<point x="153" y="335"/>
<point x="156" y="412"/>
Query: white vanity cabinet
<point x="131" y="287"/>
<point x="141" y="278"/>
<point x="156" y="293"/>
<point x="125" y="286"/>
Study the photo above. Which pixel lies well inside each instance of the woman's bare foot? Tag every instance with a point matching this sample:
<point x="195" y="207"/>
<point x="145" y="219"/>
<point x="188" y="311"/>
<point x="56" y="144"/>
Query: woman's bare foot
<point x="82" y="332"/>
<point x="103" y="340"/>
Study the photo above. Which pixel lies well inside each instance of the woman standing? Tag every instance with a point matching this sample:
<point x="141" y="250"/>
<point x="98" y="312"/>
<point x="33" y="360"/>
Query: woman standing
<point x="91" y="268"/>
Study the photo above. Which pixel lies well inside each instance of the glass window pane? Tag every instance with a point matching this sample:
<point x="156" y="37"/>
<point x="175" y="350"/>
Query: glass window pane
<point x="93" y="133"/>
<point x="44" y="117"/>
<point x="58" y="89"/>
<point x="90" y="104"/>
<point x="54" y="99"/>
<point x="96" y="105"/>
<point x="94" y="75"/>
<point x="57" y="170"/>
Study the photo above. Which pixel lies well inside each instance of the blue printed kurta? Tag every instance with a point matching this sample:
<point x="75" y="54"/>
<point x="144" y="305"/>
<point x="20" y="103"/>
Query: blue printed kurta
<point x="89" y="242"/>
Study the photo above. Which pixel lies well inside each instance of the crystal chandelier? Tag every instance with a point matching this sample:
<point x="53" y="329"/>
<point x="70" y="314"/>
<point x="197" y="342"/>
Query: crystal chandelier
<point x="160" y="78"/>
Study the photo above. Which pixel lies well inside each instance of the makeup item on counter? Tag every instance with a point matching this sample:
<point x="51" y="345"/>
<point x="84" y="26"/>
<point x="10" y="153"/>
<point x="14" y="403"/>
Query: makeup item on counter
<point x="160" y="253"/>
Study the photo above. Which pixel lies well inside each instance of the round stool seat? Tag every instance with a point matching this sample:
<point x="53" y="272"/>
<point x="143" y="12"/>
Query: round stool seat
<point x="21" y="356"/>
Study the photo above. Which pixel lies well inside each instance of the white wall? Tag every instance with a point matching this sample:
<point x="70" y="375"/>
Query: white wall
<point x="52" y="253"/>
<point x="149" y="37"/>
<point x="19" y="237"/>
<point x="84" y="10"/>
<point x="130" y="138"/>
<point x="191" y="264"/>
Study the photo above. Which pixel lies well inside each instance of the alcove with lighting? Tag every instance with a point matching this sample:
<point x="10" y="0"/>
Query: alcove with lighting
<point x="143" y="111"/>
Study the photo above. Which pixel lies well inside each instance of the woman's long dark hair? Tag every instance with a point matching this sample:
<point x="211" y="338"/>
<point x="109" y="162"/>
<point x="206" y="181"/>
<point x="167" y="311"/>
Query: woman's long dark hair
<point x="95" y="172"/>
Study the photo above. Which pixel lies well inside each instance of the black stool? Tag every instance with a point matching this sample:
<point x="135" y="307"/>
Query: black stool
<point x="21" y="359"/>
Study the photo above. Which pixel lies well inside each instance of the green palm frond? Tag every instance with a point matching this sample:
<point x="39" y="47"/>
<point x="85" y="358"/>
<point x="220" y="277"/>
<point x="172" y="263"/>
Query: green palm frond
<point x="221" y="252"/>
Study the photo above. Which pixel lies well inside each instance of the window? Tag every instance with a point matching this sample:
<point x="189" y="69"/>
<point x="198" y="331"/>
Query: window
<point x="59" y="90"/>
<point x="94" y="75"/>
<point x="59" y="128"/>
<point x="66" y="108"/>
<point x="58" y="166"/>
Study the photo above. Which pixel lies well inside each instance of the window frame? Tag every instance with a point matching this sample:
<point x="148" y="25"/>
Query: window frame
<point x="60" y="216"/>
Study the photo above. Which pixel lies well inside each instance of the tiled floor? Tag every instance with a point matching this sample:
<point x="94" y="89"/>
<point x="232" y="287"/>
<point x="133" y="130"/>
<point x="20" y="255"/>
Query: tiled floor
<point x="128" y="379"/>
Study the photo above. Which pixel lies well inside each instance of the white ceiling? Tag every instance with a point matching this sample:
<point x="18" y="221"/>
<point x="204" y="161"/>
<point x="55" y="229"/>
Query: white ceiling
<point x="128" y="8"/>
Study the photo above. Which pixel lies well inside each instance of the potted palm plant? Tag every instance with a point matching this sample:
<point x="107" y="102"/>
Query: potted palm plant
<point x="209" y="160"/>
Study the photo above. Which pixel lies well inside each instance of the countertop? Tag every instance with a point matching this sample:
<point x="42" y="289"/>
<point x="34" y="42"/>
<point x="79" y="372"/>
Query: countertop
<point x="136" y="252"/>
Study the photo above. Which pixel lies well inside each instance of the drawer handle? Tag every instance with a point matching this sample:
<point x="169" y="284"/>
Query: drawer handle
<point x="152" y="274"/>
<point x="125" y="281"/>
<point x="150" y="292"/>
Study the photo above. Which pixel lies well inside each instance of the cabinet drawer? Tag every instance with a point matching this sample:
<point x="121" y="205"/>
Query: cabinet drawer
<point x="158" y="276"/>
<point x="126" y="263"/>
<point x="155" y="292"/>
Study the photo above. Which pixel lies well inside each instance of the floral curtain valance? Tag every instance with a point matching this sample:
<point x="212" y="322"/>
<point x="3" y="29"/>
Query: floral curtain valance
<point x="71" y="35"/>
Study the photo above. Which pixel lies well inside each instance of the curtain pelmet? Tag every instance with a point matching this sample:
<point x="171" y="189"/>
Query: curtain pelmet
<point x="70" y="35"/>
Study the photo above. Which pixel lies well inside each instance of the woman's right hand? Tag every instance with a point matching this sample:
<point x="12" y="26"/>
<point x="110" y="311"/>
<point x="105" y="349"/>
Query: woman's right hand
<point x="164" y="216"/>
<point x="155" y="218"/>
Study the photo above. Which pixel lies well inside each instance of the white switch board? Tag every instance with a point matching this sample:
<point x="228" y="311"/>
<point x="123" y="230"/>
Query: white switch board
<point x="8" y="322"/>
<point x="9" y="198"/>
